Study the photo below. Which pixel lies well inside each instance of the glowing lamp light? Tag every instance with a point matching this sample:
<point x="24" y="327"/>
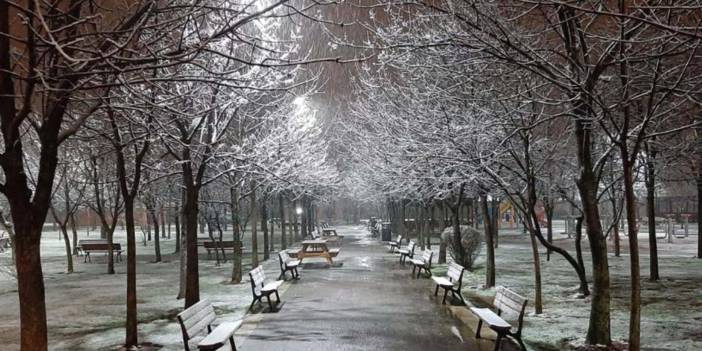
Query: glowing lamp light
<point x="298" y="210"/>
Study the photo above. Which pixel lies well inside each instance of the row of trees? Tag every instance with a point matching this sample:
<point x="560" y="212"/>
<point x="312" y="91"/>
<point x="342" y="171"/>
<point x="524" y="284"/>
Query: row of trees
<point x="523" y="101"/>
<point x="178" y="104"/>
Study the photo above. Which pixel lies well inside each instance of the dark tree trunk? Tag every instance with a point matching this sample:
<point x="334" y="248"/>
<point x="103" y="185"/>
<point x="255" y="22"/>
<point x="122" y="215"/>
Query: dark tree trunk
<point x="303" y="219"/>
<point x="631" y="214"/>
<point x="236" y="231"/>
<point x="442" y="242"/>
<point x="489" y="245"/>
<point x="176" y="222"/>
<point x="651" y="212"/>
<point x="294" y="218"/>
<point x="264" y="228"/>
<point x="253" y="220"/>
<point x="283" y="239"/>
<point x="30" y="284"/>
<point x="190" y="217"/>
<point x="74" y="231"/>
<point x="131" y="323"/>
<point x="157" y="241"/>
<point x="699" y="211"/>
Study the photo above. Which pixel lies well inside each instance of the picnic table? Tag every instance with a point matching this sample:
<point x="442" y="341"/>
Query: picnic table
<point x="317" y="248"/>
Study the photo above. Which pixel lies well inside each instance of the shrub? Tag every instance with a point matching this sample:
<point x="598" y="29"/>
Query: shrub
<point x="472" y="243"/>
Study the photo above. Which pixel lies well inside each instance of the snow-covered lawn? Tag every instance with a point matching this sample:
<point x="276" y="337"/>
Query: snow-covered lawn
<point x="672" y="307"/>
<point x="86" y="309"/>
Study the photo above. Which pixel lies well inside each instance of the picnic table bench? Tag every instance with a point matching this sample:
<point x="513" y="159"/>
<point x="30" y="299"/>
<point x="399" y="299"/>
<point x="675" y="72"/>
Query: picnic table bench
<point x="423" y="262"/>
<point x="317" y="248"/>
<point x="98" y="245"/>
<point x="261" y="289"/>
<point x="198" y="318"/>
<point x="453" y="281"/>
<point x="505" y="301"/>
<point x="288" y="264"/>
<point x="407" y="251"/>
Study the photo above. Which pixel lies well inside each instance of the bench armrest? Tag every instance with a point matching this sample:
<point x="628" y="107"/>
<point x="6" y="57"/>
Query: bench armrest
<point x="219" y="336"/>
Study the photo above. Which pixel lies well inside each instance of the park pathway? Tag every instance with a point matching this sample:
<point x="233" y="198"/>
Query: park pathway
<point x="369" y="302"/>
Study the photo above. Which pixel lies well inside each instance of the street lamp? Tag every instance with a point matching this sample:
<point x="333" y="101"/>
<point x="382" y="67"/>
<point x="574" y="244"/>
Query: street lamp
<point x="298" y="211"/>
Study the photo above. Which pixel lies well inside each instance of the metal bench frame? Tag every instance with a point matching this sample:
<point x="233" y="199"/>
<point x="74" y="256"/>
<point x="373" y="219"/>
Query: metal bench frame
<point x="204" y="312"/>
<point x="284" y="258"/>
<point x="427" y="256"/>
<point x="258" y="280"/>
<point x="395" y="244"/>
<point x="410" y="251"/>
<point x="506" y="299"/>
<point x="454" y="278"/>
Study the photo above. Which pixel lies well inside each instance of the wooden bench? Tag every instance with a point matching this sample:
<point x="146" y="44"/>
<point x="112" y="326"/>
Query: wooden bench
<point x="393" y="245"/>
<point x="87" y="248"/>
<point x="422" y="263"/>
<point x="453" y="281"/>
<point x="288" y="264"/>
<point x="260" y="289"/>
<point x="89" y="241"/>
<point x="407" y="251"/>
<point x="227" y="245"/>
<point x="505" y="301"/>
<point x="198" y="317"/>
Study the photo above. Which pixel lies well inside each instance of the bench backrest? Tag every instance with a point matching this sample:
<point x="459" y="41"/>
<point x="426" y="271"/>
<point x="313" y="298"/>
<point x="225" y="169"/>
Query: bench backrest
<point x="426" y="256"/>
<point x="218" y="244"/>
<point x="509" y="301"/>
<point x="399" y="240"/>
<point x="91" y="241"/>
<point x="411" y="247"/>
<point x="196" y="318"/>
<point x="455" y="273"/>
<point x="258" y="277"/>
<point x="100" y="246"/>
<point x="284" y="257"/>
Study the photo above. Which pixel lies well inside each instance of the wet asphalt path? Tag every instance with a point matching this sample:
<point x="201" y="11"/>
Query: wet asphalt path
<point x="370" y="302"/>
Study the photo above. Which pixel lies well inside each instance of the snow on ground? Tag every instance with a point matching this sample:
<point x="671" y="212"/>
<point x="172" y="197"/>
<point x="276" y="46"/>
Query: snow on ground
<point x="671" y="307"/>
<point x="86" y="310"/>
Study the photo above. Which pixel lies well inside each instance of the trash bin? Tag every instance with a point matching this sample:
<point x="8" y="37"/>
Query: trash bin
<point x="385" y="232"/>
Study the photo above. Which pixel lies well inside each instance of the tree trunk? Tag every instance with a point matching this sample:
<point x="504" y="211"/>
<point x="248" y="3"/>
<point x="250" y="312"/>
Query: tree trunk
<point x="157" y="241"/>
<point x="253" y="220"/>
<point x="176" y="220"/>
<point x="30" y="283"/>
<point x="631" y="214"/>
<point x="75" y="234"/>
<point x="489" y="245"/>
<point x="110" y="253"/>
<point x="264" y="228"/>
<point x="303" y="219"/>
<point x="651" y="213"/>
<point x="236" y="235"/>
<point x="283" y="239"/>
<point x="699" y="212"/>
<point x="131" y="338"/>
<point x="67" y="244"/>
<point x="190" y="218"/>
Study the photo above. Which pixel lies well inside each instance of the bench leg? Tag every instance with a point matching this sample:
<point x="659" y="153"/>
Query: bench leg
<point x="498" y="342"/>
<point x="231" y="342"/>
<point x="297" y="274"/>
<point x="443" y="302"/>
<point x="436" y="291"/>
<point x="270" y="304"/>
<point x="519" y="340"/>
<point x="477" y="330"/>
<point x="277" y="296"/>
<point x="414" y="268"/>
<point x="419" y="272"/>
<point x="254" y="302"/>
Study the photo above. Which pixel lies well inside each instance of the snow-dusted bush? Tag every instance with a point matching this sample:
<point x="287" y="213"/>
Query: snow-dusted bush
<point x="472" y="242"/>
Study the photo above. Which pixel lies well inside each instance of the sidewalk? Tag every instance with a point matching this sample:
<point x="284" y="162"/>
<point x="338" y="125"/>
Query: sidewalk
<point x="370" y="302"/>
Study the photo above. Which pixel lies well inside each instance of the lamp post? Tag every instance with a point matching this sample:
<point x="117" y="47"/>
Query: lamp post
<point x="298" y="219"/>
